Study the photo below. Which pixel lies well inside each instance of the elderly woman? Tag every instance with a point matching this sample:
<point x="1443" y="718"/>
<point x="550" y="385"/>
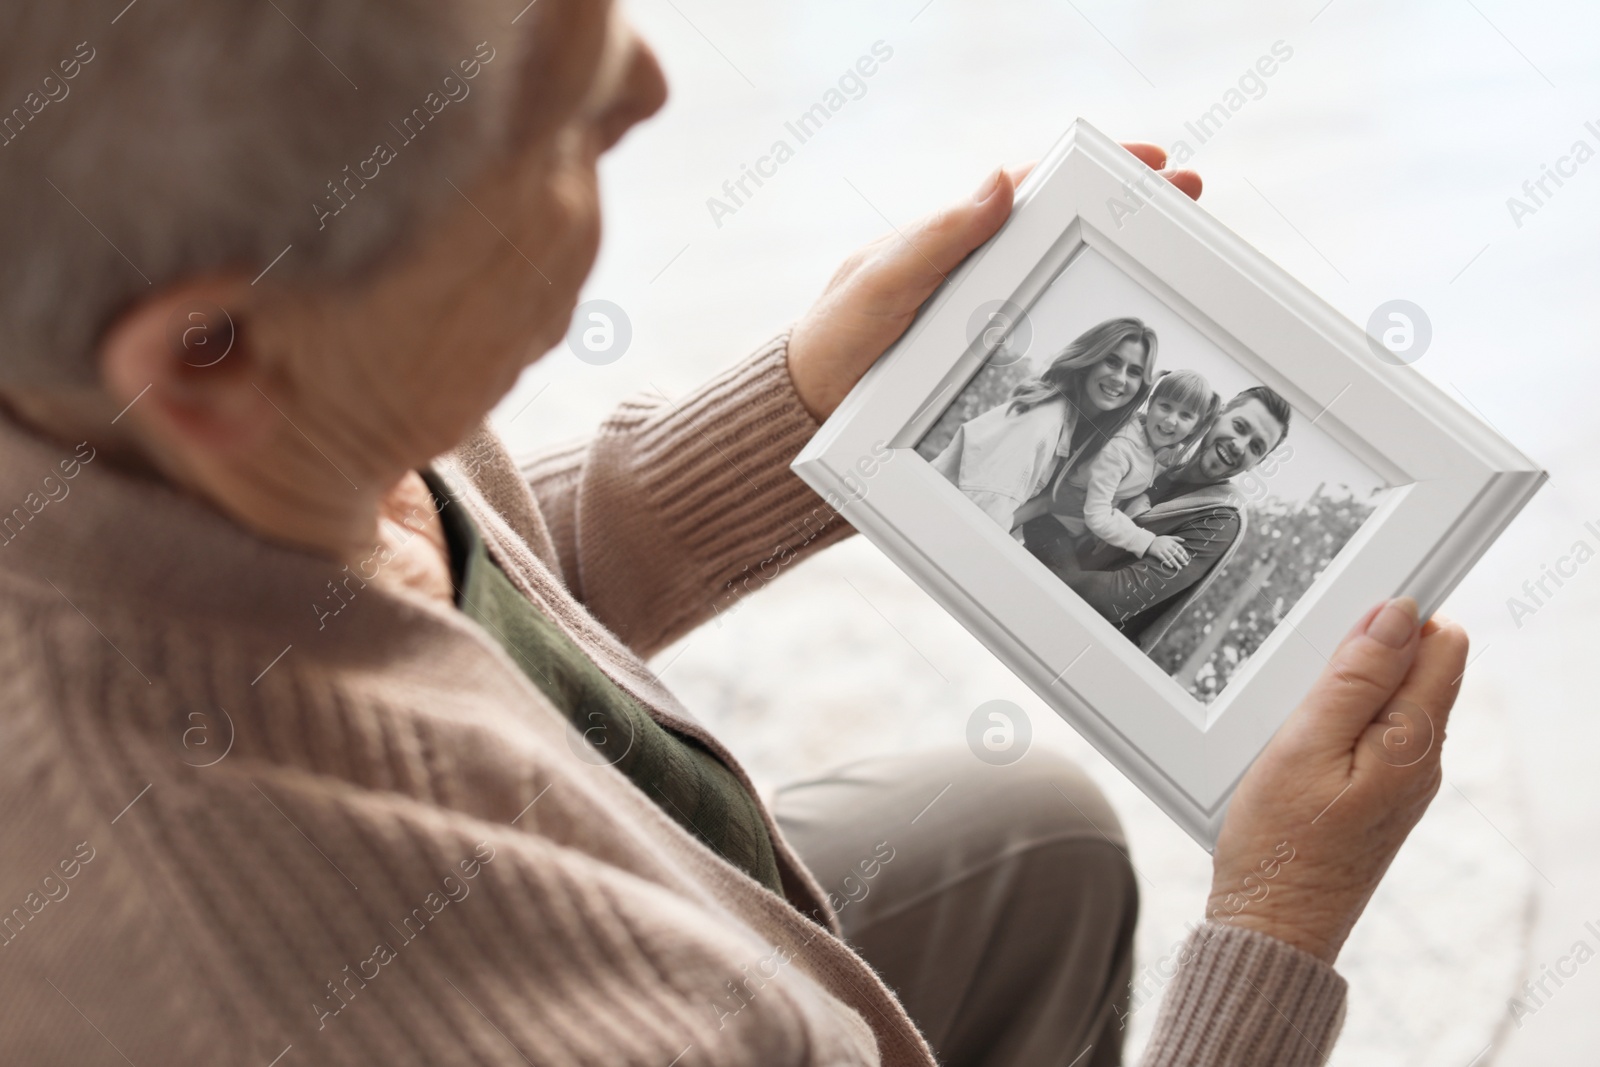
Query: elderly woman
<point x="328" y="733"/>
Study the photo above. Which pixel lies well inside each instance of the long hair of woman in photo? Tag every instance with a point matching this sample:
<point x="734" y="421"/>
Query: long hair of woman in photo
<point x="1067" y="372"/>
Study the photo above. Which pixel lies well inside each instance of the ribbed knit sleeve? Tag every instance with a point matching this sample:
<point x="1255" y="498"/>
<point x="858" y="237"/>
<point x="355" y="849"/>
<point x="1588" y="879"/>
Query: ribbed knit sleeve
<point x="1244" y="999"/>
<point x="676" y="508"/>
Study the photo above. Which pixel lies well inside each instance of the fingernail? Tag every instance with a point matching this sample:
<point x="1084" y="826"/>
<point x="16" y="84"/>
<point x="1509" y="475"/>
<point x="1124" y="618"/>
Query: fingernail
<point x="990" y="186"/>
<point x="1394" y="625"/>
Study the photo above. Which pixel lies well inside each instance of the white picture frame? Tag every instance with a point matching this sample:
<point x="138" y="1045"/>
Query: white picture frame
<point x="1454" y="483"/>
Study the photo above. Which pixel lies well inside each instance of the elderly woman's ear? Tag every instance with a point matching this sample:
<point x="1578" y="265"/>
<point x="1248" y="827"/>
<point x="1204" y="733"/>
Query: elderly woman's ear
<point x="180" y="369"/>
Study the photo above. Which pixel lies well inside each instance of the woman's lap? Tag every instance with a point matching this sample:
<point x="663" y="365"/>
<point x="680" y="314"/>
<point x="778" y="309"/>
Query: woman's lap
<point x="997" y="901"/>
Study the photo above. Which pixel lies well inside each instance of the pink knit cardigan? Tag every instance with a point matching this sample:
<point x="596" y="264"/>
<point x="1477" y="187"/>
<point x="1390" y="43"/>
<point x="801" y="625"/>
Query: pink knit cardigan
<point x="258" y="809"/>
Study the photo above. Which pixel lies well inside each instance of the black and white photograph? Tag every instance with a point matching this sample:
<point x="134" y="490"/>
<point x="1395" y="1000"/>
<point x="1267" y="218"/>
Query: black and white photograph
<point x="1176" y="494"/>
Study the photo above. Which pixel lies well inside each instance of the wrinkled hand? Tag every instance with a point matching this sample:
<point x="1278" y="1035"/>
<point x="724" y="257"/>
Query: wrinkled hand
<point x="1322" y="812"/>
<point x="1169" y="552"/>
<point x="876" y="293"/>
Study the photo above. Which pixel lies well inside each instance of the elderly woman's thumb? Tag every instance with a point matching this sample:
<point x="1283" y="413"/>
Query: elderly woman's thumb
<point x="945" y="238"/>
<point x="1363" y="673"/>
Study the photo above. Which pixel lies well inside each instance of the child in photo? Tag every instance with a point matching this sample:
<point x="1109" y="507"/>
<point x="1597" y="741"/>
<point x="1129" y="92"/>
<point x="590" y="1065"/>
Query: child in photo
<point x="1182" y="408"/>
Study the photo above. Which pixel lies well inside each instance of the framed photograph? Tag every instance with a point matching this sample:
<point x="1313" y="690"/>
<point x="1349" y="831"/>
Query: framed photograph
<point x="1154" y="474"/>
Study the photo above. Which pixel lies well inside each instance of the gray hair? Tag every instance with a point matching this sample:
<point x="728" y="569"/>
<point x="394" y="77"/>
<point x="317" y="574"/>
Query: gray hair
<point x="197" y="135"/>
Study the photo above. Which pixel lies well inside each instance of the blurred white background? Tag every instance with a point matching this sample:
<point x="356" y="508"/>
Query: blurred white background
<point x="1376" y="165"/>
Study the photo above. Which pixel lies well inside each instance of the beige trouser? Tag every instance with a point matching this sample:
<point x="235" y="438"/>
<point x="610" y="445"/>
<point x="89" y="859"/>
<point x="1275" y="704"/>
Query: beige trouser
<point x="998" y="902"/>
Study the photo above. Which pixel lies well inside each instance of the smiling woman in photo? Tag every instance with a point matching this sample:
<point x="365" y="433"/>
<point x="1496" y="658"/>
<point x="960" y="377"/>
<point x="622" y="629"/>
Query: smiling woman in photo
<point x="1010" y="453"/>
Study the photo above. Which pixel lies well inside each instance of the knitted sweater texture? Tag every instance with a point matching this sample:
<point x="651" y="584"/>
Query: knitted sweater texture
<point x="257" y="808"/>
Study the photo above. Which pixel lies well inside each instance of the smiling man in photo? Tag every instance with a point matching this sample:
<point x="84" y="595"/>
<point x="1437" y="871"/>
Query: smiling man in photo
<point x="1196" y="502"/>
